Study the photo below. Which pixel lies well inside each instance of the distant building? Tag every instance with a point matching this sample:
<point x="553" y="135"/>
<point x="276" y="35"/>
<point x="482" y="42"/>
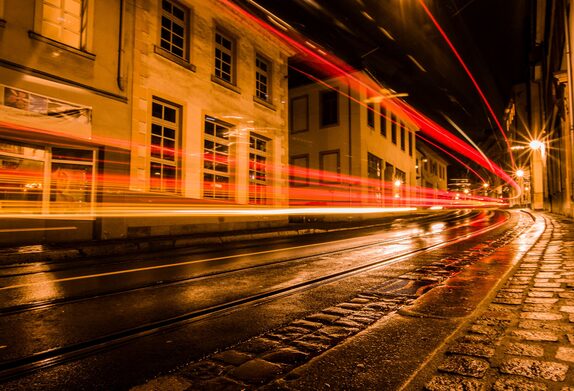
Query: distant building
<point x="431" y="171"/>
<point x="346" y="148"/>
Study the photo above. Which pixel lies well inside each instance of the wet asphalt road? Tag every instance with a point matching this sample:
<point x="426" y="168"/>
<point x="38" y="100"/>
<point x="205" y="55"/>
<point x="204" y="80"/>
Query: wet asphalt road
<point x="125" y="292"/>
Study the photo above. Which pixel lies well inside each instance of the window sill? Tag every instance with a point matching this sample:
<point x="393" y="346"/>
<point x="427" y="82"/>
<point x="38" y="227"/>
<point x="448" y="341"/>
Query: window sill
<point x="225" y="84"/>
<point x="262" y="102"/>
<point x="172" y="57"/>
<point x="62" y="46"/>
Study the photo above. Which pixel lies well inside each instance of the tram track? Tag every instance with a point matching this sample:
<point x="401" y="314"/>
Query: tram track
<point x="60" y="355"/>
<point x="45" y="304"/>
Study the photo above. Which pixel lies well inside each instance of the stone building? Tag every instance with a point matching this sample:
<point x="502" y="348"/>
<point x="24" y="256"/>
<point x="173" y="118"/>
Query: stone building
<point x="346" y="148"/>
<point x="550" y="107"/>
<point x="64" y="115"/>
<point x="431" y="171"/>
<point x="109" y="105"/>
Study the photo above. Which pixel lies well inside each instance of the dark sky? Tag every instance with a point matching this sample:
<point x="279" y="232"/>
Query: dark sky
<point x="394" y="39"/>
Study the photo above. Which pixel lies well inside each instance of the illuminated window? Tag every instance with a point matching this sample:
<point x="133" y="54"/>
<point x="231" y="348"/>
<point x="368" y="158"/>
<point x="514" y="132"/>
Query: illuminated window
<point x="329" y="107"/>
<point x="383" y="121"/>
<point x="262" y="78"/>
<point x="330" y="166"/>
<point x="65" y="21"/>
<point x="258" y="154"/>
<point x="375" y="171"/>
<point x="165" y="131"/>
<point x="216" y="173"/>
<point x="224" y="57"/>
<point x="173" y="28"/>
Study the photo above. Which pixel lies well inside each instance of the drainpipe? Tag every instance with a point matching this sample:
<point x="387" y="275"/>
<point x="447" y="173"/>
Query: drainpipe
<point x="120" y="79"/>
<point x="569" y="59"/>
<point x="350" y="144"/>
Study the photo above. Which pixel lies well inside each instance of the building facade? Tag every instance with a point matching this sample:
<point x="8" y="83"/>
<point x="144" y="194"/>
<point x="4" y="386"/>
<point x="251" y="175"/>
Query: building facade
<point x="431" y="170"/>
<point x="346" y="148"/>
<point x="110" y="105"/>
<point x="64" y="115"/>
<point x="550" y="104"/>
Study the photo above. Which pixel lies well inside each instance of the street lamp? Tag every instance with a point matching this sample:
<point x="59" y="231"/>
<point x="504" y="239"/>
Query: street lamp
<point x="519" y="173"/>
<point x="535" y="145"/>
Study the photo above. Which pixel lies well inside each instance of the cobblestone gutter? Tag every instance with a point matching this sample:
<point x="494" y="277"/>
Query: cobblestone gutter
<point x="267" y="361"/>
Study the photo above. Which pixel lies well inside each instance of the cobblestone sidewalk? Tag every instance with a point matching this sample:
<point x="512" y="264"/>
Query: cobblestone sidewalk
<point x="524" y="340"/>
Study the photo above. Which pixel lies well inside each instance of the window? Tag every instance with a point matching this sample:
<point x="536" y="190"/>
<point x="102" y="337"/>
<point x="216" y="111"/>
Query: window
<point x="371" y="115"/>
<point x="262" y="78"/>
<point x="65" y="21"/>
<point x="299" y="170"/>
<point x="329" y="108"/>
<point x="330" y="165"/>
<point x="403" y="136"/>
<point x="375" y="171"/>
<point x="299" y="114"/>
<point x="224" y="57"/>
<point x="173" y="29"/>
<point x="394" y="128"/>
<point x="383" y="121"/>
<point x="216" y="173"/>
<point x="257" y="169"/>
<point x="410" y="144"/>
<point x="165" y="131"/>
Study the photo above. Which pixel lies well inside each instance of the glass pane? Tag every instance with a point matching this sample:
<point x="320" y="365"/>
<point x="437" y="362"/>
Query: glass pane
<point x="156" y="110"/>
<point x="156" y="129"/>
<point x="71" y="183"/>
<point x="20" y="180"/>
<point x="169" y="133"/>
<point x="169" y="114"/>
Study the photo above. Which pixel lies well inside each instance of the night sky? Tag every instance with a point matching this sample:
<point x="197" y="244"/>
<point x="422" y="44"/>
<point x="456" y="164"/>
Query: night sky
<point x="397" y="42"/>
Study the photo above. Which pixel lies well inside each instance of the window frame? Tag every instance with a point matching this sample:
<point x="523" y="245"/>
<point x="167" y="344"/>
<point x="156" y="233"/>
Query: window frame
<point x="224" y="33"/>
<point x="162" y="161"/>
<point x="185" y="58"/>
<point x="292" y="113"/>
<point x="322" y="155"/>
<point x="268" y="74"/>
<point x="394" y="125"/>
<point x="294" y="180"/>
<point x="383" y="121"/>
<point x="322" y="94"/>
<point x="85" y="33"/>
<point x="403" y="131"/>
<point x="225" y="194"/>
<point x="258" y="187"/>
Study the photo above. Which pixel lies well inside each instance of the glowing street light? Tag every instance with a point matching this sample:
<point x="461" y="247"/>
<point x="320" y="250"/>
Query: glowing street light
<point x="535" y="145"/>
<point x="519" y="173"/>
<point x="485" y="185"/>
<point x="397" y="183"/>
